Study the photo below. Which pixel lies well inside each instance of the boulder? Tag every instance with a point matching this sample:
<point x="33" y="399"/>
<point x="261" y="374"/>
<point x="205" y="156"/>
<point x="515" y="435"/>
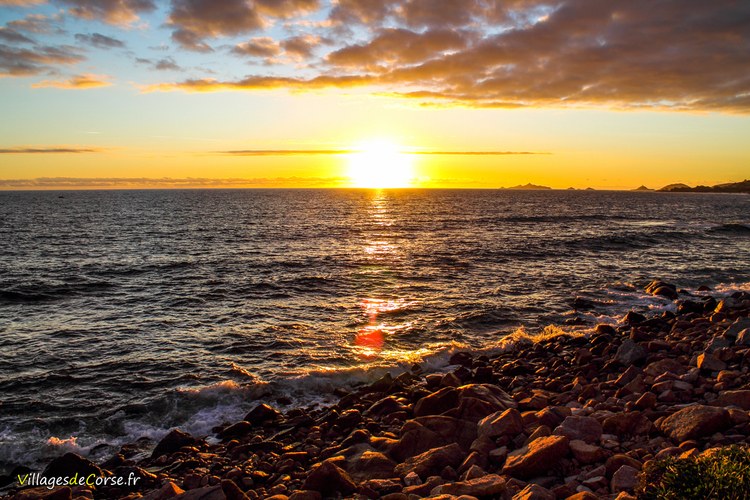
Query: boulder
<point x="739" y="398"/>
<point x="534" y="492"/>
<point x="536" y="458"/>
<point x="436" y="403"/>
<point x="490" y="485"/>
<point x="329" y="480"/>
<point x="627" y="424"/>
<point x="206" y="493"/>
<point x="733" y="331"/>
<point x="262" y="413"/>
<point x="709" y="362"/>
<point x="625" y="479"/>
<point x="365" y="463"/>
<point x="586" y="453"/>
<point x="586" y="429"/>
<point x="501" y="423"/>
<point x="432" y="461"/>
<point x="70" y="464"/>
<point x="169" y="490"/>
<point x="694" y="422"/>
<point x="743" y="338"/>
<point x="172" y="442"/>
<point x="630" y="353"/>
<point x="667" y="365"/>
<point x="424" y="433"/>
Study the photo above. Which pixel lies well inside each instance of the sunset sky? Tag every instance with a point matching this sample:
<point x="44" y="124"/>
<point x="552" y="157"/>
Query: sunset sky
<point x="319" y="93"/>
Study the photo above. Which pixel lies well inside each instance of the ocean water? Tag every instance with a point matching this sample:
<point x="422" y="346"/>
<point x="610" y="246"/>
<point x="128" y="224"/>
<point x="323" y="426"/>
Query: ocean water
<point x="126" y="313"/>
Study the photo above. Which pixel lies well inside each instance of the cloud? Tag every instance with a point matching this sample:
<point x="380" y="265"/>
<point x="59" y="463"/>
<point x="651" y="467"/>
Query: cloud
<point x="12" y="36"/>
<point x="49" y="150"/>
<point x="20" y="3"/>
<point x="26" y="62"/>
<point x="301" y="47"/>
<point x="36" y="23"/>
<point x="264" y="47"/>
<point x="164" y="64"/>
<point x="167" y="182"/>
<point x="76" y="82"/>
<point x="100" y="41"/>
<point x="688" y="55"/>
<point x="118" y="12"/>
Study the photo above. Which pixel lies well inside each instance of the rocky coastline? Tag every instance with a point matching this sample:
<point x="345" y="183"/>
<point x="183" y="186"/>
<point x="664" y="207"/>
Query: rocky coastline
<point x="561" y="417"/>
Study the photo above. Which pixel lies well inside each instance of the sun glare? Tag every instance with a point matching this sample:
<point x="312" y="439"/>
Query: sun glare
<point x="380" y="164"/>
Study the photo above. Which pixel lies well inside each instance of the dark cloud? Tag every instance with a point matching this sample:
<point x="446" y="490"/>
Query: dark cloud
<point x="301" y="47"/>
<point x="12" y="36"/>
<point x="25" y="62"/>
<point x="120" y="12"/>
<point x="263" y="47"/>
<point x="164" y="64"/>
<point x="397" y="46"/>
<point x="100" y="41"/>
<point x="48" y="150"/>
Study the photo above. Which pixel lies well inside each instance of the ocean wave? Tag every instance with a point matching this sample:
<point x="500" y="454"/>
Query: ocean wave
<point x="732" y="228"/>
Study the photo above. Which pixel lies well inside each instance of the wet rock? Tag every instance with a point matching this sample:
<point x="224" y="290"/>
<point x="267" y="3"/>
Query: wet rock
<point x="537" y="458"/>
<point x="172" y="442"/>
<point x="461" y="358"/>
<point x="501" y="423"/>
<point x="490" y="485"/>
<point x="329" y="480"/>
<point x="436" y="403"/>
<point x="633" y="318"/>
<point x="238" y="430"/>
<point x="694" y="422"/>
<point x="432" y="461"/>
<point x="262" y="413"/>
<point x="534" y="492"/>
<point x="586" y="429"/>
<point x="625" y="479"/>
<point x="630" y="353"/>
<point x="738" y="398"/>
<point x="70" y="464"/>
<point x="385" y="406"/>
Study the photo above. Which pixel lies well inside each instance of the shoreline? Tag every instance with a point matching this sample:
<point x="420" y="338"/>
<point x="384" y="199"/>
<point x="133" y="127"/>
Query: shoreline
<point x="560" y="415"/>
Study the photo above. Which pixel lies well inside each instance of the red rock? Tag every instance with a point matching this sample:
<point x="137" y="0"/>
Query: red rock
<point x="694" y="422"/>
<point x="586" y="453"/>
<point x="501" y="423"/>
<point x="437" y="402"/>
<point x="583" y="495"/>
<point x="710" y="362"/>
<point x="432" y="461"/>
<point x="492" y="394"/>
<point x="169" y="490"/>
<point x="629" y="423"/>
<point x="328" y="479"/>
<point x="490" y="485"/>
<point x="586" y="429"/>
<point x="739" y="398"/>
<point x="646" y="401"/>
<point x="667" y="365"/>
<point x="625" y="479"/>
<point x="616" y="461"/>
<point x="534" y="492"/>
<point x="537" y="458"/>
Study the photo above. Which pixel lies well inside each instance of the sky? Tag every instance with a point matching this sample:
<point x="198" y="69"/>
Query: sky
<point x="373" y="93"/>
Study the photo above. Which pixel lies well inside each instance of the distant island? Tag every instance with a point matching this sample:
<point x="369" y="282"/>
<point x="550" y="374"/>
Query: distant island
<point x="732" y="187"/>
<point x="642" y="188"/>
<point x="529" y="187"/>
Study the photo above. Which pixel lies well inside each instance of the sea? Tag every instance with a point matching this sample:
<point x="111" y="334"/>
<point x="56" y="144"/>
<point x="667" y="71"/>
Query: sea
<point x="124" y="314"/>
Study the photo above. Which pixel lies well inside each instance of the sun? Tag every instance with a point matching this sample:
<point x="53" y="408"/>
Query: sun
<point x="380" y="164"/>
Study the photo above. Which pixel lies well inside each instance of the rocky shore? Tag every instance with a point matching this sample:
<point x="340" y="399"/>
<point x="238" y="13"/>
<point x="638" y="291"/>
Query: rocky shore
<point x="561" y="417"/>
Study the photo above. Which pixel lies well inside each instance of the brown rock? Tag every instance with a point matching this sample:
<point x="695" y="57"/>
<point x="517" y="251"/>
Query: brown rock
<point x="262" y="413"/>
<point x="710" y="362"/>
<point x="328" y="479"/>
<point x="424" y="433"/>
<point x="586" y="429"/>
<point x="490" y="485"/>
<point x="667" y="365"/>
<point x="492" y="394"/>
<point x="586" y="453"/>
<point x="694" y="421"/>
<point x="534" y="492"/>
<point x="583" y="495"/>
<point x="432" y="461"/>
<point x="70" y="464"/>
<point x="206" y="493"/>
<point x="436" y="403"/>
<point x="232" y="491"/>
<point x="42" y="493"/>
<point x="501" y="423"/>
<point x="616" y="461"/>
<point x="625" y="479"/>
<point x="630" y="424"/>
<point x="537" y="458"/>
<point x="369" y="464"/>
<point x="630" y="353"/>
<point x="169" y="490"/>
<point x="646" y="401"/>
<point x="172" y="442"/>
<point x="739" y="398"/>
<point x="306" y="495"/>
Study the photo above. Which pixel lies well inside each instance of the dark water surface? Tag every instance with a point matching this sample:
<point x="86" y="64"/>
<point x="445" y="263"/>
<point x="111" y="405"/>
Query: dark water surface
<point x="125" y="313"/>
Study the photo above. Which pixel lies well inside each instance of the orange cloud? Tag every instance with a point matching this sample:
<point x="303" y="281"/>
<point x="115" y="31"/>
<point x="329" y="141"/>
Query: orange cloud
<point x="49" y="150"/>
<point x="85" y="81"/>
<point x="119" y="12"/>
<point x="26" y="62"/>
